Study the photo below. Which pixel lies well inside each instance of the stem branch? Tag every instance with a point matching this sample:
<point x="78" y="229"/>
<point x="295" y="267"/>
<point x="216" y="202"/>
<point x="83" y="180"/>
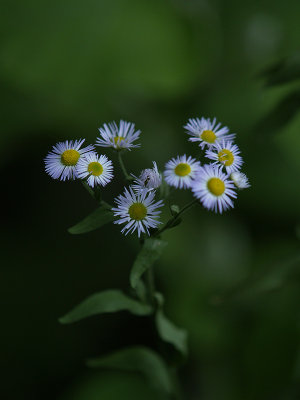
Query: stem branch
<point x="172" y="220"/>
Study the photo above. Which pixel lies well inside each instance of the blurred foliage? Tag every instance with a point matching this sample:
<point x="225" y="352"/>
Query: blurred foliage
<point x="231" y="281"/>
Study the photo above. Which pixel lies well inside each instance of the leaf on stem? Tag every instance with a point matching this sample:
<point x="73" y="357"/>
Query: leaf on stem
<point x="95" y="220"/>
<point x="284" y="71"/>
<point x="138" y="359"/>
<point x="174" y="208"/>
<point x="281" y="115"/>
<point x="105" y="302"/>
<point x="170" y="333"/>
<point x="150" y="252"/>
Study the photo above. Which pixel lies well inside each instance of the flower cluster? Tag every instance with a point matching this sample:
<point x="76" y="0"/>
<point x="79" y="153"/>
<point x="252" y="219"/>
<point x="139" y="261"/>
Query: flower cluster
<point x="213" y="184"/>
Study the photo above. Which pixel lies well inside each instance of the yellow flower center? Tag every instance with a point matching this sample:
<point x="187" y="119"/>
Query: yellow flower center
<point x="208" y="136"/>
<point x="182" y="169"/>
<point x="216" y="186"/>
<point x="137" y="211"/>
<point x="226" y="157"/>
<point x="70" y="157"/>
<point x="95" y="168"/>
<point x="118" y="139"/>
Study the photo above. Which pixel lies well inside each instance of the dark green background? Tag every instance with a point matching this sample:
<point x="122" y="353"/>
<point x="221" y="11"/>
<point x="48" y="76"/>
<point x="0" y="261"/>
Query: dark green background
<point x="232" y="281"/>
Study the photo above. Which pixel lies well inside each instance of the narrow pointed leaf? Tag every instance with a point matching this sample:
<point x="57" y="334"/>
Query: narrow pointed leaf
<point x="150" y="252"/>
<point x="95" y="220"/>
<point x="170" y="333"/>
<point x="284" y="71"/>
<point x="105" y="302"/>
<point x="138" y="359"/>
<point x="281" y="115"/>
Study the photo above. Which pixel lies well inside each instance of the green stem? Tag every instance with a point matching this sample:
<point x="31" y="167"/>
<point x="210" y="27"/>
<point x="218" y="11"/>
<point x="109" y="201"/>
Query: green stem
<point x="88" y="189"/>
<point x="95" y="196"/>
<point x="123" y="168"/>
<point x="172" y="220"/>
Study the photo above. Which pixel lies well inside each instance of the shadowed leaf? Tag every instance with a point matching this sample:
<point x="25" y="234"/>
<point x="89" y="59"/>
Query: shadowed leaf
<point x="170" y="333"/>
<point x="150" y="252"/>
<point x="284" y="71"/>
<point x="138" y="359"/>
<point x="281" y="115"/>
<point x="105" y="302"/>
<point x="95" y="220"/>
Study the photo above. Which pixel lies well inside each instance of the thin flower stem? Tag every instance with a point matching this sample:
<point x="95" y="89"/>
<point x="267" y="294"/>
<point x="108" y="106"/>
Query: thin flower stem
<point x="172" y="220"/>
<point x="95" y="195"/>
<point x="122" y="165"/>
<point x="88" y="188"/>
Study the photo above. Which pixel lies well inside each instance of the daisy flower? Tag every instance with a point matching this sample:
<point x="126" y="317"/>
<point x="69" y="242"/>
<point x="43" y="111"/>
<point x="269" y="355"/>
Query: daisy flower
<point x="227" y="154"/>
<point x="137" y="211"/>
<point x="213" y="188"/>
<point x="181" y="171"/>
<point x="60" y="163"/>
<point x="206" y="132"/>
<point x="119" y="137"/>
<point x="240" y="180"/>
<point x="149" y="179"/>
<point x="97" y="169"/>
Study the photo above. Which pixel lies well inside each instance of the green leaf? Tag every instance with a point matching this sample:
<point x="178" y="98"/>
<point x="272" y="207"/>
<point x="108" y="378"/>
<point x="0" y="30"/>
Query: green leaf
<point x="174" y="208"/>
<point x="151" y="251"/>
<point x="105" y="302"/>
<point x="270" y="278"/>
<point x="170" y="333"/>
<point x="95" y="220"/>
<point x="284" y="71"/>
<point x="138" y="359"/>
<point x="282" y="114"/>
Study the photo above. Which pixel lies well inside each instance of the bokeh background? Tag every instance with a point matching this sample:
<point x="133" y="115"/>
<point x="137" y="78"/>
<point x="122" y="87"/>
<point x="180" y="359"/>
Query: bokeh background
<point x="232" y="281"/>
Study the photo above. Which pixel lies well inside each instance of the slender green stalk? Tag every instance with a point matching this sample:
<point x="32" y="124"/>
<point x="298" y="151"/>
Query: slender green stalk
<point x="123" y="168"/>
<point x="88" y="189"/>
<point x="95" y="195"/>
<point x="172" y="220"/>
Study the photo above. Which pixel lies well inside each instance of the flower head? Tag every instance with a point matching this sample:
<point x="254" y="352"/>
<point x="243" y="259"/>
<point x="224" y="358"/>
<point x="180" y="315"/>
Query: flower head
<point x="137" y="210"/>
<point x="119" y="137"/>
<point x="181" y="171"/>
<point x="149" y="179"/>
<point x="61" y="162"/>
<point x="240" y="180"/>
<point x="97" y="169"/>
<point x="213" y="188"/>
<point x="227" y="154"/>
<point x="206" y="132"/>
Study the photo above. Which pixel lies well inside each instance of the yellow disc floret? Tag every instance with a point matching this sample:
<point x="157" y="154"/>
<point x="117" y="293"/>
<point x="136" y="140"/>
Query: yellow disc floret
<point x="216" y="186"/>
<point x="208" y="136"/>
<point x="118" y="140"/>
<point x="137" y="211"/>
<point x="95" y="168"/>
<point x="182" y="169"/>
<point x="226" y="157"/>
<point x="70" y="157"/>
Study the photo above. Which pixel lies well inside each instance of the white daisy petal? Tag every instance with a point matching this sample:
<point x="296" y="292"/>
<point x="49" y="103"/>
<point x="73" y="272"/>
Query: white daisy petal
<point x="119" y="137"/>
<point x="61" y="162"/>
<point x="148" y="180"/>
<point x="98" y="170"/>
<point x="181" y="171"/>
<point x="213" y="188"/>
<point x="207" y="132"/>
<point x="227" y="154"/>
<point x="240" y="180"/>
<point x="137" y="209"/>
